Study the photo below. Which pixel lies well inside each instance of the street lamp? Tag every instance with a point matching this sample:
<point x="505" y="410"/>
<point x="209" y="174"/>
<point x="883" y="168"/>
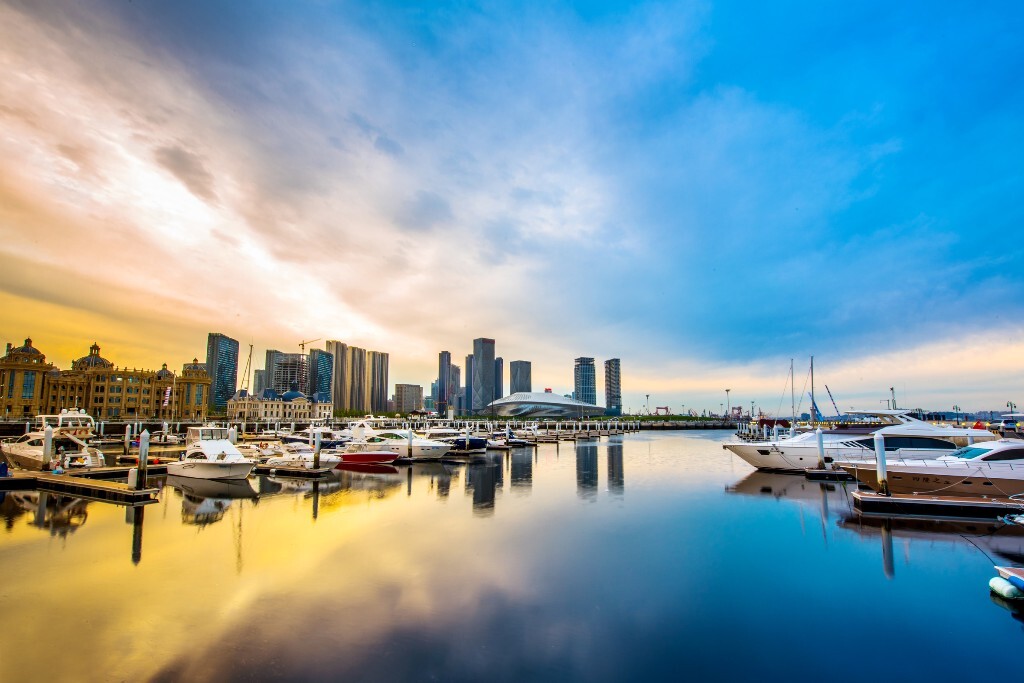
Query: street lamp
<point x="1011" y="405"/>
<point x="727" y="405"/>
<point x="956" y="409"/>
<point x="648" y="404"/>
<point x="751" y="410"/>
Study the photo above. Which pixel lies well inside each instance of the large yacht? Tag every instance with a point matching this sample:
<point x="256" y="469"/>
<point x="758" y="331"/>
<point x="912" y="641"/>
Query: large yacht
<point x="905" y="436"/>
<point x="71" y="430"/>
<point x="992" y="469"/>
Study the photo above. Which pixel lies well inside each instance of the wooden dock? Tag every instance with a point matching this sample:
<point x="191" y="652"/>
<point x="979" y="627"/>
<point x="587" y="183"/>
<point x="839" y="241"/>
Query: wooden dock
<point x="78" y="486"/>
<point x="934" y="507"/>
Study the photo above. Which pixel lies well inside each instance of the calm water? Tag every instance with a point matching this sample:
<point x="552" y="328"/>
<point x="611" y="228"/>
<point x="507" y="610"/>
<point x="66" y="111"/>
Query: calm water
<point x="649" y="557"/>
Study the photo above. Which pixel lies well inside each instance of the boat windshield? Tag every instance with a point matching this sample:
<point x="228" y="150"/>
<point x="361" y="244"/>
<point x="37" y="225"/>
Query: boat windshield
<point x="968" y="452"/>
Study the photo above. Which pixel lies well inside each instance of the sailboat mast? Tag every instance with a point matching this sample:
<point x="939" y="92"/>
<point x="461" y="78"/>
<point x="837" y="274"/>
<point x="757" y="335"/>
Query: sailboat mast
<point x="792" y="397"/>
<point x="814" y="417"/>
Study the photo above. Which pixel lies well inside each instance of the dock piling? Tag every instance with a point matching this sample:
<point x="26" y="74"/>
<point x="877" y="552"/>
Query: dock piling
<point x="883" y="479"/>
<point x="47" y="446"/>
<point x="141" y="479"/>
<point x="821" y="448"/>
<point x="127" y="438"/>
<point x="316" y="455"/>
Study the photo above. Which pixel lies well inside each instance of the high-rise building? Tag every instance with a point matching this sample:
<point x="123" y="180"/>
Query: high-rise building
<point x="222" y="366"/>
<point x="259" y="382"/>
<point x="483" y="374"/>
<point x="585" y="381"/>
<point x="341" y="375"/>
<point x="519" y="376"/>
<point x="443" y="396"/>
<point x="359" y="395"/>
<point x="291" y="371"/>
<point x="612" y="387"/>
<point x="268" y="366"/>
<point x="321" y="370"/>
<point x="467" y="398"/>
<point x="499" y="378"/>
<point x="378" y="381"/>
<point x="408" y="397"/>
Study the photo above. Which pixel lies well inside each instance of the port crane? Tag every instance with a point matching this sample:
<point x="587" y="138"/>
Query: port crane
<point x="302" y="345"/>
<point x="245" y="375"/>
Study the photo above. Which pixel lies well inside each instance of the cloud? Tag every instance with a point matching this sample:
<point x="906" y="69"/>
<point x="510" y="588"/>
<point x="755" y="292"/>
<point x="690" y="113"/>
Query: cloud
<point x="188" y="167"/>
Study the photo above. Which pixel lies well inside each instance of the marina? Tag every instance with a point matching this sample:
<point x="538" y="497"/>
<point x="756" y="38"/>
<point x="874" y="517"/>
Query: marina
<point x="594" y="559"/>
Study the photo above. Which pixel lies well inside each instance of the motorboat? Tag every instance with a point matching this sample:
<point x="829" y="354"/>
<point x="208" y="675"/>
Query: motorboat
<point x="329" y="438"/>
<point x="905" y="436"/>
<point x="209" y="454"/>
<point x="461" y="443"/>
<point x="402" y="441"/>
<point x="362" y="453"/>
<point x="69" y="448"/>
<point x="993" y="469"/>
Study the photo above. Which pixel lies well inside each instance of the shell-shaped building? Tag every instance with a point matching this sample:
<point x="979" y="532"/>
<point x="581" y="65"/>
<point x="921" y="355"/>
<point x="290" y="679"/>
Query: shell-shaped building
<point x="542" y="404"/>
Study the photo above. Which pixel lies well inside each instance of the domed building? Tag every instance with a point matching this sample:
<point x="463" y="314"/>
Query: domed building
<point x="291" y="406"/>
<point x="100" y="387"/>
<point x="23" y="372"/>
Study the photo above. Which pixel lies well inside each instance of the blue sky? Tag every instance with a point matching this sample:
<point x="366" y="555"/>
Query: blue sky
<point x="703" y="189"/>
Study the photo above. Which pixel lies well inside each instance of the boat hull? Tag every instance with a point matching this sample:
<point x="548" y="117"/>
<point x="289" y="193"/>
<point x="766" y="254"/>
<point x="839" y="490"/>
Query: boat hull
<point x="955" y="479"/>
<point x="210" y="470"/>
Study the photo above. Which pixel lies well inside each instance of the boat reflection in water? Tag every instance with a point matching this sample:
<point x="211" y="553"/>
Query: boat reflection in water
<point x="204" y="501"/>
<point x="439" y="475"/>
<point x="996" y="539"/>
<point x="823" y="497"/>
<point x="521" y="466"/>
<point x="60" y="515"/>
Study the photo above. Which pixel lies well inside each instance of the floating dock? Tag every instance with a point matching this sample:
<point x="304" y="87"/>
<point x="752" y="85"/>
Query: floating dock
<point x="78" y="486"/>
<point x="934" y="507"/>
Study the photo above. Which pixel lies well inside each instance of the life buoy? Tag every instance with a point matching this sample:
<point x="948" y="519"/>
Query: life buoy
<point x="263" y="444"/>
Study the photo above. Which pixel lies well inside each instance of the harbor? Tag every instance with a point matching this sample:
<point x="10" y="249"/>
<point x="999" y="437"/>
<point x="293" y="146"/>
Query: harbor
<point x="642" y="536"/>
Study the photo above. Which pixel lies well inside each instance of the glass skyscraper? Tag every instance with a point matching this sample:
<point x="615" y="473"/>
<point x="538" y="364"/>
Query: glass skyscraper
<point x="499" y="378"/>
<point x="467" y="405"/>
<point x="444" y="371"/>
<point x="222" y="366"/>
<point x="612" y="387"/>
<point x="483" y="374"/>
<point x="585" y="381"/>
<point x="321" y="371"/>
<point x="519" y="376"/>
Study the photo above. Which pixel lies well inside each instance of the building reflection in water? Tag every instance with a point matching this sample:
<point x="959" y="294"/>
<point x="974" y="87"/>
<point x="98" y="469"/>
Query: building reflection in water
<point x="616" y="473"/>
<point x="483" y="479"/>
<point x="438" y="473"/>
<point x="586" y="470"/>
<point x="521" y="477"/>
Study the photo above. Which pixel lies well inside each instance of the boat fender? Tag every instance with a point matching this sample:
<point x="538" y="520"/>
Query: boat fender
<point x="1004" y="588"/>
<point x="1016" y="582"/>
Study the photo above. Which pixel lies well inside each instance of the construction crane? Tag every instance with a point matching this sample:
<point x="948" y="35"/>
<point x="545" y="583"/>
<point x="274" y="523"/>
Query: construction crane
<point x="838" y="413"/>
<point x="302" y="345"/>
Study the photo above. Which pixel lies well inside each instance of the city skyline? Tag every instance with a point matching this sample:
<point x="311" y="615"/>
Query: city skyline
<point x="726" y="186"/>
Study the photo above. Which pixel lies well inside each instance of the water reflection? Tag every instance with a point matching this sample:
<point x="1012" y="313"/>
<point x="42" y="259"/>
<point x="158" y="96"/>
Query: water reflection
<point x="60" y="515"/>
<point x="205" y="501"/>
<point x="521" y="475"/>
<point x="483" y="479"/>
<point x="616" y="469"/>
<point x="1004" y="542"/>
<point x="586" y="470"/>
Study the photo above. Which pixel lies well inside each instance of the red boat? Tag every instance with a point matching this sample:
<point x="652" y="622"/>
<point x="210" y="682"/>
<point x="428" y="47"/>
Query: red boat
<point x="362" y="454"/>
<point x="367" y="468"/>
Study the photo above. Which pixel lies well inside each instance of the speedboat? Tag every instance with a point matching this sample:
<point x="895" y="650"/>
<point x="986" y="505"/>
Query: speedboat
<point x="362" y="453"/>
<point x="994" y="469"/>
<point x="905" y="436"/>
<point x="209" y="454"/>
<point x="329" y="438"/>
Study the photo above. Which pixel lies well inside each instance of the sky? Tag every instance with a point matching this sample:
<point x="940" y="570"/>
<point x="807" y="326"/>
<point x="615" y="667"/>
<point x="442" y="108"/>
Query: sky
<point x="704" y="190"/>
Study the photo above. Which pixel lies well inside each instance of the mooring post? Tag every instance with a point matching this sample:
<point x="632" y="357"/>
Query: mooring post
<point x="821" y="448"/>
<point x="316" y="451"/>
<point x="127" y="438"/>
<point x="233" y="435"/>
<point x="47" y="446"/>
<point x="409" y="453"/>
<point x="883" y="480"/>
<point x="140" y="481"/>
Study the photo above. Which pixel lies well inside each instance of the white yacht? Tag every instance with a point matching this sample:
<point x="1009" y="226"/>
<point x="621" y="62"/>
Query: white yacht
<point x="71" y="430"/>
<point x="209" y="454"/>
<point x="398" y="441"/>
<point x="994" y="469"/>
<point x="905" y="436"/>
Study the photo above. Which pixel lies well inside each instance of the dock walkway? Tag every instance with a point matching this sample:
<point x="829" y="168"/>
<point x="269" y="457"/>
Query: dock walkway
<point x="77" y="486"/>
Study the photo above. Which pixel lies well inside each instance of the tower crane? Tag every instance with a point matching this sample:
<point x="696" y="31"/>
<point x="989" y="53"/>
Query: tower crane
<point x="302" y="345"/>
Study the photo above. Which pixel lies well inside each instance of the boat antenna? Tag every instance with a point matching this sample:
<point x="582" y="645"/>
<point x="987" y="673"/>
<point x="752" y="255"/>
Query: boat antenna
<point x="814" y="405"/>
<point x="792" y="397"/>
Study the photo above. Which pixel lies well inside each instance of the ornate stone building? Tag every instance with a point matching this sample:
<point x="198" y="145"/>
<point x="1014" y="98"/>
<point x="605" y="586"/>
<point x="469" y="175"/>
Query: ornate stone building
<point x="291" y="406"/>
<point x="31" y="386"/>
